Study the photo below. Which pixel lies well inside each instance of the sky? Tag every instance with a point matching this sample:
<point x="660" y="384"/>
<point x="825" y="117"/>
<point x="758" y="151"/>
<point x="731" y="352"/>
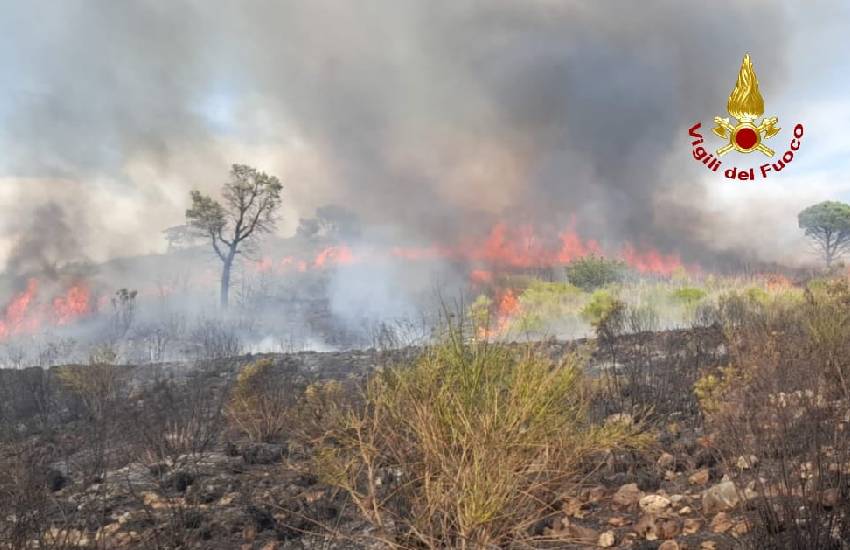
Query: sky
<point x="428" y="119"/>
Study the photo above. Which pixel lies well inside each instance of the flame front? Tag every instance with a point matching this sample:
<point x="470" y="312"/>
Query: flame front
<point x="745" y="102"/>
<point x="503" y="248"/>
<point x="25" y="314"/>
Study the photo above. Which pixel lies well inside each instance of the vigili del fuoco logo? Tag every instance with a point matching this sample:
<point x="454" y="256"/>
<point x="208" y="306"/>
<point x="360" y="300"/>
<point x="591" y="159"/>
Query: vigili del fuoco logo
<point x="745" y="105"/>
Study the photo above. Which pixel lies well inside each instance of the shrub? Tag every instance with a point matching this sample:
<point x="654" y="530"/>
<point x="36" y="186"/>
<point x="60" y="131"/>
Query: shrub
<point x="779" y="415"/>
<point x="592" y="272"/>
<point x="603" y="308"/>
<point x="178" y="421"/>
<point x="260" y="401"/>
<point x="543" y="304"/>
<point x="101" y="389"/>
<point x="467" y="447"/>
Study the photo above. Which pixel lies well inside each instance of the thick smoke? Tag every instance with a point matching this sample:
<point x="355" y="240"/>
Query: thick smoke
<point x="433" y="117"/>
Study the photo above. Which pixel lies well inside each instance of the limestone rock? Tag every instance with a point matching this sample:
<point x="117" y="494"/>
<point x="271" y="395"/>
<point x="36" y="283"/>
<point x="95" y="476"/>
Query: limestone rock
<point x="720" y="498"/>
<point x="654" y="504"/>
<point x="627" y="495"/>
<point x="700" y="477"/>
<point x="606" y="540"/>
<point x="721" y="523"/>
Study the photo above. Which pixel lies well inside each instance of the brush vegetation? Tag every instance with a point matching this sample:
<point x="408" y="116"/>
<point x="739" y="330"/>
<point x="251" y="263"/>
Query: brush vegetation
<point x="468" y="446"/>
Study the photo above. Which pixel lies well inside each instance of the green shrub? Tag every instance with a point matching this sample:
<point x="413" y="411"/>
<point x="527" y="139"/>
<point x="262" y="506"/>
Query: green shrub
<point x="468" y="446"/>
<point x="544" y="303"/>
<point x="757" y="295"/>
<point x="592" y="272"/>
<point x="601" y="307"/>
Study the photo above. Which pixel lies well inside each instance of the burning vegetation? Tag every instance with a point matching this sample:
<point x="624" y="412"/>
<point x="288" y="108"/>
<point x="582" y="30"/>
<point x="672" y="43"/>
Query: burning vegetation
<point x="462" y="288"/>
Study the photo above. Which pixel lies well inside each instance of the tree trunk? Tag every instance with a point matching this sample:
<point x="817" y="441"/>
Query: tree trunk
<point x="829" y="251"/>
<point x="225" y="279"/>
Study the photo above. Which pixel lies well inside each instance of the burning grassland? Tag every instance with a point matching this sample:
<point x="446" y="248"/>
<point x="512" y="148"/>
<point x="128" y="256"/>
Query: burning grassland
<point x="348" y="290"/>
<point x="33" y="309"/>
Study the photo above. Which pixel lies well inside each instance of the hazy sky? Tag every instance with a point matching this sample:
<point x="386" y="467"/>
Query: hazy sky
<point x="433" y="118"/>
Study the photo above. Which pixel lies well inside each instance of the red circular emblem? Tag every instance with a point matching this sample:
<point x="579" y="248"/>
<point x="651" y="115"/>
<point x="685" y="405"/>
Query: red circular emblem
<point x="746" y="138"/>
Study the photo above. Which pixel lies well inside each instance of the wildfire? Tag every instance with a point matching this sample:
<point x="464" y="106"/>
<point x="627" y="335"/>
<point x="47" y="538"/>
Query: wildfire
<point x="24" y="314"/>
<point x="74" y="304"/>
<point x="507" y="308"/>
<point x="334" y="255"/>
<point x="481" y="276"/>
<point x="503" y="247"/>
<point x="650" y="261"/>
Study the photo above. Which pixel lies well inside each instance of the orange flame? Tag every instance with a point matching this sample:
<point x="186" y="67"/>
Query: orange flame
<point x="75" y="303"/>
<point x="650" y="261"/>
<point x="16" y="319"/>
<point x="339" y="255"/>
<point x="503" y="247"/>
<point x="23" y="315"/>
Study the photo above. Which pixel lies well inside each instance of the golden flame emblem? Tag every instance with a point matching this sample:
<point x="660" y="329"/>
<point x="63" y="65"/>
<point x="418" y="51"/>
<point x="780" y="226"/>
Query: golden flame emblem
<point x="746" y="104"/>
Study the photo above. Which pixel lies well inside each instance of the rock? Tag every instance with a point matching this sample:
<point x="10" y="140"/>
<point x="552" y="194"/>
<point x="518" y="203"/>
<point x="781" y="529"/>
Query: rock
<point x="645" y="527"/>
<point x="685" y="510"/>
<point x="153" y="500"/>
<point x="676" y="499"/>
<point x="627" y="495"/>
<point x="669" y="545"/>
<point x="654" y="504"/>
<point x="740" y="528"/>
<point x="745" y="463"/>
<point x="666" y="461"/>
<point x="721" y="523"/>
<point x="700" y="477"/>
<point x="606" y="540"/>
<point x="261" y="453"/>
<point x="720" y="498"/>
<point x="691" y="526"/>
<point x="670" y="475"/>
<point x="708" y="545"/>
<point x="668" y="529"/>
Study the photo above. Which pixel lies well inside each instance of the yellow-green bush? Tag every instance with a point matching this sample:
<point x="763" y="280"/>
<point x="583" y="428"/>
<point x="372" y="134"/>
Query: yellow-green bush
<point x="602" y="305"/>
<point x="544" y="303"/>
<point x="468" y="446"/>
<point x="259" y="406"/>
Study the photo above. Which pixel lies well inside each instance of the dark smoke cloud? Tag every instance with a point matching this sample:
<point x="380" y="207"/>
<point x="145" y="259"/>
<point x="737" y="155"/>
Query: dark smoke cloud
<point x="433" y="117"/>
<point x="47" y="242"/>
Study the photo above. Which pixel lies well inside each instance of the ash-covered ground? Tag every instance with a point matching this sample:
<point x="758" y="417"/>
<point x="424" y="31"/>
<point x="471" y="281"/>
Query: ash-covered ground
<point x="212" y="488"/>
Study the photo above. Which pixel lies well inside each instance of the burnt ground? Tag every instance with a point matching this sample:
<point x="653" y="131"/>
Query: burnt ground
<point x="230" y="493"/>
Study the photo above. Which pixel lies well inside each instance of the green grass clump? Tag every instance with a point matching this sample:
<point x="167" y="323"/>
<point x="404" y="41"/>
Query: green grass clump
<point x="688" y="296"/>
<point x="592" y="272"/>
